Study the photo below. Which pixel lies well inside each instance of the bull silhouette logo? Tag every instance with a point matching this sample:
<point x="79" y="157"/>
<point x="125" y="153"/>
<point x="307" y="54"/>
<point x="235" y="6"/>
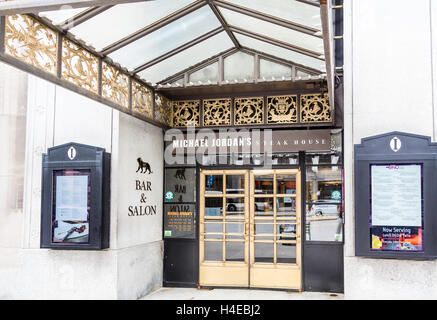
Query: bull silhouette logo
<point x="180" y="174"/>
<point x="143" y="166"/>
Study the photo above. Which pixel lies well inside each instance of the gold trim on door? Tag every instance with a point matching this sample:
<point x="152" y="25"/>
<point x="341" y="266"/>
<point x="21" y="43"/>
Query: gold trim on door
<point x="283" y="272"/>
<point x="250" y="219"/>
<point x="224" y="272"/>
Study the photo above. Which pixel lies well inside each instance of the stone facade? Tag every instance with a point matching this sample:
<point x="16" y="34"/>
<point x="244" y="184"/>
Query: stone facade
<point x="132" y="266"/>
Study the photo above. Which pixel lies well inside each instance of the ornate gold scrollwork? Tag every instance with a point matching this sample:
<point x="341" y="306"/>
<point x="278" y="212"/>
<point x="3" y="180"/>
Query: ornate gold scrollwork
<point x="217" y="112"/>
<point x="315" y="108"/>
<point x="186" y="113"/>
<point x="163" y="109"/>
<point x="115" y="85"/>
<point x="31" y="42"/>
<point x="249" y="111"/>
<point x="282" y="109"/>
<point x="142" y="99"/>
<point x="79" y="66"/>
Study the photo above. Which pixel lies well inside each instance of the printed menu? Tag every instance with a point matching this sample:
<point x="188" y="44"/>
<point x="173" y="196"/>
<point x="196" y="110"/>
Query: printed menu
<point x="396" y="207"/>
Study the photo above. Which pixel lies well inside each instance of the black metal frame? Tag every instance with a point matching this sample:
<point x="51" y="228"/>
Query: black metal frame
<point x="376" y="150"/>
<point x="306" y="245"/>
<point x="95" y="160"/>
<point x="168" y="242"/>
<point x="18" y="7"/>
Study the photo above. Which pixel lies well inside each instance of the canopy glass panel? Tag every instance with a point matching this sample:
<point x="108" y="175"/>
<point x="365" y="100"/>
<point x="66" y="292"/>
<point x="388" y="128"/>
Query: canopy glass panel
<point x="273" y="31"/>
<point x="291" y="10"/>
<point x="239" y="66"/>
<point x="280" y="52"/>
<point x="124" y="19"/>
<point x="209" y="73"/>
<point x="269" y="70"/>
<point x="189" y="57"/>
<point x="57" y="17"/>
<point x="166" y="38"/>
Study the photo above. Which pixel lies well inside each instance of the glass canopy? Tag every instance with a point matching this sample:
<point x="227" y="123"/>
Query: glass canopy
<point x="159" y="40"/>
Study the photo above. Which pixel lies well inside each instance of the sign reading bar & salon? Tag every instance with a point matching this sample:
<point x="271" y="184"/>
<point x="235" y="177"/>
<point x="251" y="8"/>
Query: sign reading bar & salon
<point x="143" y="188"/>
<point x="254" y="141"/>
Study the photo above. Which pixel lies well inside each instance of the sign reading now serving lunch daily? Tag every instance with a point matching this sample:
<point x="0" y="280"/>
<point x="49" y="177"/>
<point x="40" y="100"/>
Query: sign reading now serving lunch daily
<point x="396" y="207"/>
<point x="244" y="141"/>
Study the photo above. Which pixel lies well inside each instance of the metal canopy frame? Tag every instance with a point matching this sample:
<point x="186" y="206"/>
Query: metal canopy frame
<point x="34" y="6"/>
<point x="267" y="18"/>
<point x="184" y="74"/>
<point x="97" y="7"/>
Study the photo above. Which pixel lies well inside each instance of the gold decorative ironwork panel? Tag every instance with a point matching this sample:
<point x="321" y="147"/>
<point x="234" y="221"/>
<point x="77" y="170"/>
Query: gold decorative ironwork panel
<point x="115" y="85"/>
<point x="163" y="109"/>
<point x="186" y="113"/>
<point x="282" y="109"/>
<point x="31" y="42"/>
<point x="315" y="108"/>
<point x="217" y="112"/>
<point x="79" y="66"/>
<point x="249" y="111"/>
<point x="142" y="99"/>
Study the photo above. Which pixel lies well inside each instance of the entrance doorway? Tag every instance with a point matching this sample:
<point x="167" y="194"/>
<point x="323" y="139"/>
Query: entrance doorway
<point x="250" y="228"/>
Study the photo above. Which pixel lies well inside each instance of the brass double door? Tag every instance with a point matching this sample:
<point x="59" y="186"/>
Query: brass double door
<point x="250" y="231"/>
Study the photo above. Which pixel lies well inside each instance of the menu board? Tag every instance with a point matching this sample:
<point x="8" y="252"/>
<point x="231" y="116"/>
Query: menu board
<point x="179" y="221"/>
<point x="71" y="193"/>
<point x="396" y="207"/>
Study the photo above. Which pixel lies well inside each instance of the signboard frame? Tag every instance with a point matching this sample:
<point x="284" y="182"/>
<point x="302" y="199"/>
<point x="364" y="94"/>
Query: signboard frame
<point x="74" y="157"/>
<point x="377" y="150"/>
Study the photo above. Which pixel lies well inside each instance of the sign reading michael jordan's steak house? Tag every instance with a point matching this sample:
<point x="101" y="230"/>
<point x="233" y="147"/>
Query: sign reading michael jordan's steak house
<point x="244" y="141"/>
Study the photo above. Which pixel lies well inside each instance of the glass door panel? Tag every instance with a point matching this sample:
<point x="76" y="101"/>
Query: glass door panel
<point x="213" y="184"/>
<point x="235" y="184"/>
<point x="235" y="208"/>
<point x="263" y="184"/>
<point x="213" y="251"/>
<point x="263" y="206"/>
<point x="286" y="208"/>
<point x="264" y="252"/>
<point x="235" y="230"/>
<point x="214" y="208"/>
<point x="235" y="251"/>
<point x="213" y="230"/>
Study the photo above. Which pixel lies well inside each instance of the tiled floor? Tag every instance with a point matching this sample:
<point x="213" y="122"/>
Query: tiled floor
<point x="235" y="294"/>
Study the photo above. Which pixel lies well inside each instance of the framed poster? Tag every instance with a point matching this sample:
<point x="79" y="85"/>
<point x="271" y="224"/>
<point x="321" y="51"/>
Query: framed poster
<point x="179" y="221"/>
<point x="396" y="206"/>
<point x="71" y="206"/>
